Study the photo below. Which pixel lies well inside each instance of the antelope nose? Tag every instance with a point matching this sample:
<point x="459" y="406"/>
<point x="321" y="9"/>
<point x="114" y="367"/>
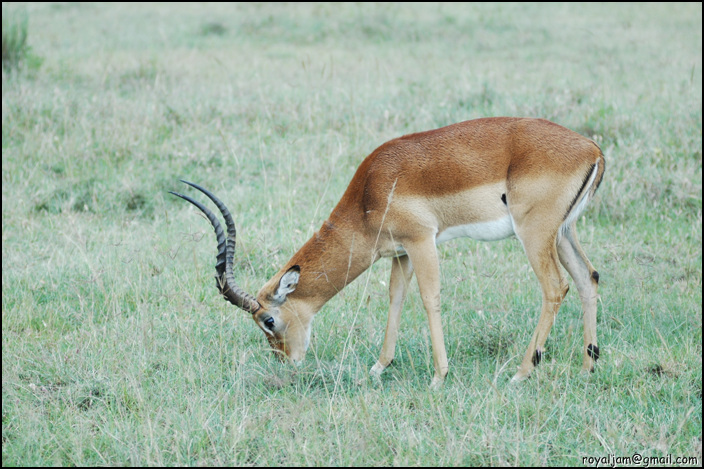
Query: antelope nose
<point x="297" y="360"/>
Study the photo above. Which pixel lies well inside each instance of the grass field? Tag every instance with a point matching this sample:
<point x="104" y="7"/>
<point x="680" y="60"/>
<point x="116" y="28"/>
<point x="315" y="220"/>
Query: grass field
<point x="116" y="348"/>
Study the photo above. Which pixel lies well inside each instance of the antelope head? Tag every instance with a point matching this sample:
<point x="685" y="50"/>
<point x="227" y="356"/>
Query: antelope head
<point x="285" y="321"/>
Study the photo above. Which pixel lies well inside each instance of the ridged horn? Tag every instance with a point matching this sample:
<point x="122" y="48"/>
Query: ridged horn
<point x="225" y="279"/>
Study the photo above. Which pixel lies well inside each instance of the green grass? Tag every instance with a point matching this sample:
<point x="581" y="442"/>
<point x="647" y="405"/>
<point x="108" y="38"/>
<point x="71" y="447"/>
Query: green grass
<point x="116" y="349"/>
<point x="14" y="38"/>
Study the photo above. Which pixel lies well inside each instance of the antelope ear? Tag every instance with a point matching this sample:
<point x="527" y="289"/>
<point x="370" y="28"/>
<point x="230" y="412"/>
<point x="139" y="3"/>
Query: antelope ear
<point x="287" y="284"/>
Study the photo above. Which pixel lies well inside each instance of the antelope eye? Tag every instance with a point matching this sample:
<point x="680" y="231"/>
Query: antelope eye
<point x="269" y="323"/>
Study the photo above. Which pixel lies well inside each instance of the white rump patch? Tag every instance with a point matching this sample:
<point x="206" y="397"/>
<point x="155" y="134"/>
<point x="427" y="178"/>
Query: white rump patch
<point x="581" y="204"/>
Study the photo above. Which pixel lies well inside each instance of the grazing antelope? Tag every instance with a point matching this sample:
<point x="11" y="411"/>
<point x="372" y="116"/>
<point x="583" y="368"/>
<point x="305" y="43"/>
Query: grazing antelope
<point x="485" y="179"/>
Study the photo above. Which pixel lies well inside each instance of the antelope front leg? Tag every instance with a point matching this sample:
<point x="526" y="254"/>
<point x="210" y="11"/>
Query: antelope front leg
<point x="401" y="273"/>
<point x="424" y="257"/>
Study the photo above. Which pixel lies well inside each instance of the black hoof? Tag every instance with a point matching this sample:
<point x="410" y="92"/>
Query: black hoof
<point x="593" y="351"/>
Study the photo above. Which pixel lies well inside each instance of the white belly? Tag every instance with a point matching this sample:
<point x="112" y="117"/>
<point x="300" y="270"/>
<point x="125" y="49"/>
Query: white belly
<point x="493" y="230"/>
<point x="485" y="231"/>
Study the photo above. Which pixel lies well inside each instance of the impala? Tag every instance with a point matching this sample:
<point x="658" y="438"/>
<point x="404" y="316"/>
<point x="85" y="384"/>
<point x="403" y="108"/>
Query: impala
<point x="485" y="179"/>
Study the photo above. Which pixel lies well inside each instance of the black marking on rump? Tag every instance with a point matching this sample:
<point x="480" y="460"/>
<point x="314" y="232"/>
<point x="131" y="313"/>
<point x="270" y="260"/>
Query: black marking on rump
<point x="537" y="356"/>
<point x="600" y="176"/>
<point x="593" y="351"/>
<point x="579" y="192"/>
<point x="503" y="199"/>
<point x="595" y="276"/>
